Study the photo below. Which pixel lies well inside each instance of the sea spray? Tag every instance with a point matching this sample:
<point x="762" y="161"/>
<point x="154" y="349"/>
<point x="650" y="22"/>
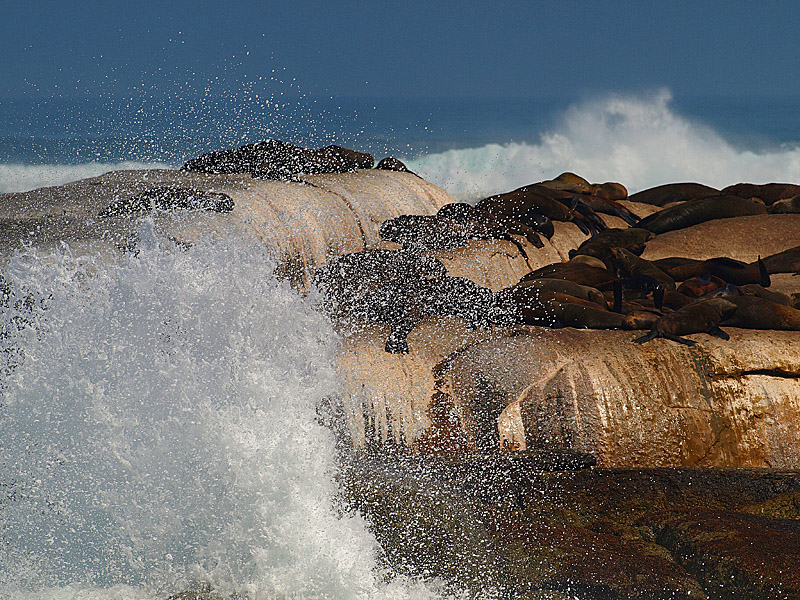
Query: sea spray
<point x="160" y="433"/>
<point x="640" y="141"/>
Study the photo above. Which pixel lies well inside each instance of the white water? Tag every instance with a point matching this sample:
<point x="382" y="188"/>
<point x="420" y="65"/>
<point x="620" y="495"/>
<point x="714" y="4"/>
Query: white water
<point x="161" y="432"/>
<point x="639" y="141"/>
<point x="18" y="177"/>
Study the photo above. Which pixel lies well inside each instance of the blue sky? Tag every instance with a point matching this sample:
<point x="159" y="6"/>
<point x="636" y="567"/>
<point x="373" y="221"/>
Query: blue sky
<point x="400" y="49"/>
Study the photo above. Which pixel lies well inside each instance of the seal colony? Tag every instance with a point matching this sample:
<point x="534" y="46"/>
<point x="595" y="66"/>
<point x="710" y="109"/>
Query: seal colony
<point x="605" y="284"/>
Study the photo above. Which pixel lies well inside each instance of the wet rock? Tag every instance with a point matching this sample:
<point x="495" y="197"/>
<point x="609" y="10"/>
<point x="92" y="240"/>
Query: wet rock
<point x="274" y="159"/>
<point x="734" y="555"/>
<point x="392" y="164"/>
<point x="170" y="198"/>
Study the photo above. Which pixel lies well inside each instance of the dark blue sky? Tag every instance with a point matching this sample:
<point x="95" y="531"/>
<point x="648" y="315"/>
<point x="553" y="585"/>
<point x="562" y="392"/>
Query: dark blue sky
<point x="400" y="49"/>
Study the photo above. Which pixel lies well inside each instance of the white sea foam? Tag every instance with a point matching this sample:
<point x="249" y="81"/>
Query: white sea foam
<point x="640" y="141"/>
<point x="162" y="431"/>
<point x="18" y="177"/>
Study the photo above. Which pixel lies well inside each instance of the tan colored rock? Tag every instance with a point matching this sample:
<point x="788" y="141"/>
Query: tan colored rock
<point x="301" y="223"/>
<point x="721" y="403"/>
<point x="741" y="238"/>
<point x="389" y="398"/>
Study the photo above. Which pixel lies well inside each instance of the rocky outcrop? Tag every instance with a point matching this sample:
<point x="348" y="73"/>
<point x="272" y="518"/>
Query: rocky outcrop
<point x="740" y="238"/>
<point x="302" y="222"/>
<point x="661" y="404"/>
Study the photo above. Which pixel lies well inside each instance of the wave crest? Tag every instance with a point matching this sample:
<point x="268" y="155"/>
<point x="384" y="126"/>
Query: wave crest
<point x="640" y="141"/>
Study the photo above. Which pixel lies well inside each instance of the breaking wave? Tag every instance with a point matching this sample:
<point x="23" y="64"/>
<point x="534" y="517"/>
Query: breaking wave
<point x="160" y="433"/>
<point x="18" y="177"/>
<point x="640" y="141"/>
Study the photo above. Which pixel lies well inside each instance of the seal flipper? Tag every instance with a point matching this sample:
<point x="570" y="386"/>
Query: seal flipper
<point x="617" y="296"/>
<point x="646" y="337"/>
<point x="762" y="270"/>
<point x="658" y="297"/>
<point x="679" y="339"/>
<point x="717" y="332"/>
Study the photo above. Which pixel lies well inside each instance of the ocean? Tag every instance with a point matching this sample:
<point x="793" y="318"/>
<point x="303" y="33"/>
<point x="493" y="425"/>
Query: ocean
<point x="159" y="415"/>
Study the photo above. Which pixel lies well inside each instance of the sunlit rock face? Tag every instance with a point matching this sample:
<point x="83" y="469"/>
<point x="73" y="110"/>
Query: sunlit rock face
<point x="720" y="403"/>
<point x="303" y="222"/>
<point x="740" y="238"/>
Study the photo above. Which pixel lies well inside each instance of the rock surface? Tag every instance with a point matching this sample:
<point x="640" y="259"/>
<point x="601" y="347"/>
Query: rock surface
<point x="302" y="222"/>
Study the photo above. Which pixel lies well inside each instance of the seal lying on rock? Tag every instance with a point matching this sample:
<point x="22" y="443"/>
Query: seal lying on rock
<point x="486" y="226"/>
<point x="703" y="316"/>
<point x="346" y="279"/>
<point x="700" y="210"/>
<point x="768" y="193"/>
<point x="753" y="312"/>
<point x="170" y="198"/>
<point x="433" y="232"/>
<point x="579" y="273"/>
<point x="274" y="159"/>
<point x="673" y="192"/>
<point x="403" y="303"/>
<point x="727" y="269"/>
<point x="600" y="244"/>
<point x="787" y="261"/>
<point x="785" y="206"/>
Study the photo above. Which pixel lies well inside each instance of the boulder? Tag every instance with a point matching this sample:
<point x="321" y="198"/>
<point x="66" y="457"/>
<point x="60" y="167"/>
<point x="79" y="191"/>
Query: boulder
<point x="302" y="222"/>
<point x="720" y="403"/>
<point x="741" y="238"/>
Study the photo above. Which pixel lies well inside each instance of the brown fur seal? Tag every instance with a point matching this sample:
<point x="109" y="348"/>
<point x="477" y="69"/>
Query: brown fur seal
<point x="423" y="232"/>
<point x="585" y="259"/>
<point x="700" y="286"/>
<point x="672" y="192"/>
<point x="347" y="278"/>
<point x="583" y="274"/>
<point x="727" y="269"/>
<point x="484" y="225"/>
<point x="532" y="305"/>
<point x="524" y="204"/>
<point x="610" y="190"/>
<point x="597" y="204"/>
<point x="629" y="265"/>
<point x="402" y="304"/>
<point x="171" y="198"/>
<point x="787" y="261"/>
<point x="569" y="182"/>
<point x="753" y="289"/>
<point x="769" y="193"/>
<point x="758" y="313"/>
<point x="700" y="210"/>
<point x="569" y="288"/>
<point x="600" y="244"/>
<point x="703" y="316"/>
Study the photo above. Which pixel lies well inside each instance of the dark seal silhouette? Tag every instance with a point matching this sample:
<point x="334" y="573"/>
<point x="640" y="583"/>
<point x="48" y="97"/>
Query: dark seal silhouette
<point x="171" y="198"/>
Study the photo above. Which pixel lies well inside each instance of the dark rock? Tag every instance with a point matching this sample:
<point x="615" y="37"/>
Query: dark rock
<point x="274" y="159"/>
<point x="392" y="164"/>
<point x="171" y="198"/>
<point x="735" y="555"/>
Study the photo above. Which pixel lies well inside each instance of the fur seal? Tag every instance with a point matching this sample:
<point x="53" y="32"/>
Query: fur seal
<point x="700" y="210"/>
<point x="769" y="193"/>
<point x="569" y="182"/>
<point x="672" y="192"/>
<point x="171" y="198"/>
<point x="753" y="312"/>
<point x="274" y="159"/>
<point x="346" y="279"/>
<point x="524" y="205"/>
<point x="787" y="261"/>
<point x="703" y="316"/>
<point x="628" y="265"/>
<point x="532" y="305"/>
<point x="697" y="287"/>
<point x="585" y="259"/>
<point x="727" y="269"/>
<point x="753" y="289"/>
<point x="484" y="225"/>
<point x="610" y="190"/>
<point x="583" y="274"/>
<point x="402" y="304"/>
<point x="600" y="244"/>
<point x="570" y="288"/>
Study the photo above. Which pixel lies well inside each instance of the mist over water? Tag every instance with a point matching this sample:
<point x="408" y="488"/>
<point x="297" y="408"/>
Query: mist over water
<point x="640" y="141"/>
<point x="161" y="432"/>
